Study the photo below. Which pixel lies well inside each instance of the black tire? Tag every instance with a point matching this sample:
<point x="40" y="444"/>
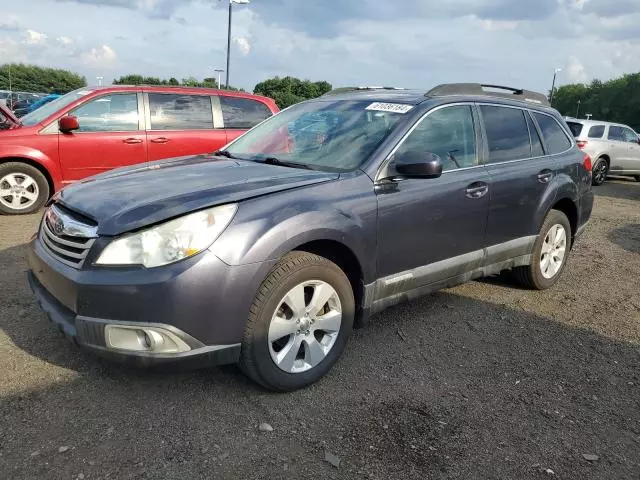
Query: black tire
<point x="531" y="275"/>
<point x="22" y="171"/>
<point x="600" y="172"/>
<point x="293" y="269"/>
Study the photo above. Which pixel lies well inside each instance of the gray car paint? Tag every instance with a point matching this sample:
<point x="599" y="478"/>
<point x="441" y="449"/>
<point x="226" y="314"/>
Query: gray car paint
<point x="409" y="236"/>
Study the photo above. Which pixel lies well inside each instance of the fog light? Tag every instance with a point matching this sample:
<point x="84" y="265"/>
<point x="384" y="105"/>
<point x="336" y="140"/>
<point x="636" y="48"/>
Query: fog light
<point x="143" y="339"/>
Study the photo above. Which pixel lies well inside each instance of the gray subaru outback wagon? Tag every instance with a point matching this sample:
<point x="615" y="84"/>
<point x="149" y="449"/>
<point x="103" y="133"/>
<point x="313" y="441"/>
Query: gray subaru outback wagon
<point x="268" y="252"/>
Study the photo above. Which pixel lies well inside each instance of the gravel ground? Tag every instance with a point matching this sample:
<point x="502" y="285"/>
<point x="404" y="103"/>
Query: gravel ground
<point x="485" y="380"/>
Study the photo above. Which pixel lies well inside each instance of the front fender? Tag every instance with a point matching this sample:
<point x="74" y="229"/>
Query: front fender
<point x="267" y="228"/>
<point x="30" y="154"/>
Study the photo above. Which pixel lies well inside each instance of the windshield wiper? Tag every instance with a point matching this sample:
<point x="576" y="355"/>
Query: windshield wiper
<point x="282" y="163"/>
<point x="225" y="153"/>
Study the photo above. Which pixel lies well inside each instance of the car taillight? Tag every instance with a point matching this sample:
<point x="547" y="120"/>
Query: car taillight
<point x="581" y="143"/>
<point x="586" y="162"/>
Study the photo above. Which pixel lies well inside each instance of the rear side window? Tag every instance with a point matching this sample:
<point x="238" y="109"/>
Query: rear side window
<point x="554" y="136"/>
<point x="597" y="131"/>
<point x="180" y="112"/>
<point x="243" y="113"/>
<point x="536" y="144"/>
<point x="576" y="128"/>
<point x="615" y="133"/>
<point x="507" y="133"/>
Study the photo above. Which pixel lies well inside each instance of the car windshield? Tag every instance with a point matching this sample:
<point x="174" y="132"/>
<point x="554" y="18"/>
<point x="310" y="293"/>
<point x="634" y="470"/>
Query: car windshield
<point x="50" y="108"/>
<point x="322" y="135"/>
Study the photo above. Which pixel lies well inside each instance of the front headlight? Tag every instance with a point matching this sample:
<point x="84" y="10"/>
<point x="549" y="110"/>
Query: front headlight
<point x="171" y="241"/>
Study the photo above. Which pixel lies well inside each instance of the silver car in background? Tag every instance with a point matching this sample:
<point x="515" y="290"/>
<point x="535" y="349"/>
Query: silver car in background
<point x="613" y="148"/>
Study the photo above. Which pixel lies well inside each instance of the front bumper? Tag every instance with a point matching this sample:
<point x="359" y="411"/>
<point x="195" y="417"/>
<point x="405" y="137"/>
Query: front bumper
<point x="201" y="300"/>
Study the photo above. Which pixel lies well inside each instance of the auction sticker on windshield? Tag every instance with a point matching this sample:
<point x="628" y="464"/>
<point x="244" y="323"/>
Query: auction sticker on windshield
<point x="390" y="107"/>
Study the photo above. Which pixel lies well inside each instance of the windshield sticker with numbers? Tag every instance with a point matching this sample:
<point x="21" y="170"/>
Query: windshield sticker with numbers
<point x="390" y="107"/>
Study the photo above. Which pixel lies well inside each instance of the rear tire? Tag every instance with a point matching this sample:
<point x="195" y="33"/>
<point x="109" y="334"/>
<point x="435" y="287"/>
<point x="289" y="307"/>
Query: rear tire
<point x="23" y="189"/>
<point x="298" y="324"/>
<point x="550" y="253"/>
<point x="600" y="172"/>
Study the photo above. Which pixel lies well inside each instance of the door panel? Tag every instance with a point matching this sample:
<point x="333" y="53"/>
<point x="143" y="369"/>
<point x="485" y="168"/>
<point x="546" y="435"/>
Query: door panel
<point x="432" y="229"/>
<point x="180" y="125"/>
<point x="110" y="136"/>
<point x="631" y="163"/>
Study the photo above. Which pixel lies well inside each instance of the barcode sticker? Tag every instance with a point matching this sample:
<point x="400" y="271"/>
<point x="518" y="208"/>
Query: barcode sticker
<point x="390" y="107"/>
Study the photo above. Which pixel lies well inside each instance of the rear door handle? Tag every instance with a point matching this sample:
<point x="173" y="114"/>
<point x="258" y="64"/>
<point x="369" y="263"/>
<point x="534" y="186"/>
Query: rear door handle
<point x="477" y="190"/>
<point x="159" y="140"/>
<point x="545" y="176"/>
<point x="132" y="141"/>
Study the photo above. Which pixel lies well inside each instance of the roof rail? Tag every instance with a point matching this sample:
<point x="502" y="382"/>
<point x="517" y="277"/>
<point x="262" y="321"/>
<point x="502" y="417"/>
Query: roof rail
<point x="336" y="91"/>
<point x="488" y="90"/>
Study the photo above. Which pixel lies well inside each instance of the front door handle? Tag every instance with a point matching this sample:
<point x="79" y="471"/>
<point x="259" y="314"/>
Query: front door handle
<point x="545" y="176"/>
<point x="477" y="190"/>
<point x="132" y="141"/>
<point x="159" y="140"/>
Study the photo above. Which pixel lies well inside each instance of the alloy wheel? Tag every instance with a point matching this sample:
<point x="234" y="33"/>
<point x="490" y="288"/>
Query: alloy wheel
<point x="305" y="326"/>
<point x="554" y="249"/>
<point x="18" y="191"/>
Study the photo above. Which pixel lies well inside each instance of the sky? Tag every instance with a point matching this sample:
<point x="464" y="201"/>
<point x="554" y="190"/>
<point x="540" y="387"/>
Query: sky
<point x="403" y="43"/>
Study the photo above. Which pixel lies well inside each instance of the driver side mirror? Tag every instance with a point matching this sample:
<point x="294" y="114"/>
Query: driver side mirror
<point x="68" y="124"/>
<point x="418" y="164"/>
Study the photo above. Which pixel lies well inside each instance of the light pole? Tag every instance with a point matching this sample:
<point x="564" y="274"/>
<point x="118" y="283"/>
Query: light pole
<point x="578" y="110"/>
<point x="219" y="71"/>
<point x="553" y="85"/>
<point x="231" y="2"/>
<point x="99" y="79"/>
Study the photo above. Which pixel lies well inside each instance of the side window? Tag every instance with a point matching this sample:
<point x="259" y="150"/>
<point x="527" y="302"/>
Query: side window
<point x="111" y="113"/>
<point x="180" y="112"/>
<point x="554" y="135"/>
<point x="507" y="133"/>
<point x="536" y="144"/>
<point x="630" y="136"/>
<point x="597" y="131"/>
<point x="242" y="113"/>
<point x="576" y="128"/>
<point x="615" y="133"/>
<point x="449" y="133"/>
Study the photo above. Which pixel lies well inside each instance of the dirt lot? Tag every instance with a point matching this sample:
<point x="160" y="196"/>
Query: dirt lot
<point x="482" y="381"/>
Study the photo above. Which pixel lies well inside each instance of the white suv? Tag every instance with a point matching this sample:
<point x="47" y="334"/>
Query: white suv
<point x="614" y="148"/>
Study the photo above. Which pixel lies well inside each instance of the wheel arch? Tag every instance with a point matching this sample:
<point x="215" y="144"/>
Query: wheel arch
<point x="570" y="209"/>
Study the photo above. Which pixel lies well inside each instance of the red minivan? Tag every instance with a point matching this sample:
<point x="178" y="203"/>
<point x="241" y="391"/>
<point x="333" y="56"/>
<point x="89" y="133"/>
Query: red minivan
<point x="95" y="129"/>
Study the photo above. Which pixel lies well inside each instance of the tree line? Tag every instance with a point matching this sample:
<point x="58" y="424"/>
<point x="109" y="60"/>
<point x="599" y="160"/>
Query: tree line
<point x="31" y="78"/>
<point x="616" y="100"/>
<point x="286" y="91"/>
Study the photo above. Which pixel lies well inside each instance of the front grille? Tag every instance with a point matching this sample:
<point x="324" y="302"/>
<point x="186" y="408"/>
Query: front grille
<point x="71" y="250"/>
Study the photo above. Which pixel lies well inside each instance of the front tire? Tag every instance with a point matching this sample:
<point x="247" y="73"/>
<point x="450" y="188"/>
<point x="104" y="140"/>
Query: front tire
<point x="600" y="172"/>
<point x="23" y="189"/>
<point x="298" y="324"/>
<point x="550" y="253"/>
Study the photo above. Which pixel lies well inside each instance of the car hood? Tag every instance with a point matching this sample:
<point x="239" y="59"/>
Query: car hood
<point x="6" y="111"/>
<point x="134" y="197"/>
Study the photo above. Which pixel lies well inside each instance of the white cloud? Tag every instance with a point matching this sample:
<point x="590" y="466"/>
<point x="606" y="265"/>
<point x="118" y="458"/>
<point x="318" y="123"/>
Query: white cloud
<point x="490" y="25"/>
<point x="100" y="57"/>
<point x="243" y="45"/>
<point x="576" y="71"/>
<point x="34" y="38"/>
<point x="10" y="50"/>
<point x="9" y="23"/>
<point x="64" y="41"/>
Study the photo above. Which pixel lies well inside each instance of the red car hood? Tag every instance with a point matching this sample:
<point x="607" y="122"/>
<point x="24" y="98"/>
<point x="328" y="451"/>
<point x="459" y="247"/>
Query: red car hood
<point x="9" y="114"/>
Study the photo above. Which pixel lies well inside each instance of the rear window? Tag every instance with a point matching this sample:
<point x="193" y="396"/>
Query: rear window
<point x="554" y="136"/>
<point x="597" y="131"/>
<point x="576" y="128"/>
<point x="243" y="113"/>
<point x="507" y="133"/>
<point x="180" y="112"/>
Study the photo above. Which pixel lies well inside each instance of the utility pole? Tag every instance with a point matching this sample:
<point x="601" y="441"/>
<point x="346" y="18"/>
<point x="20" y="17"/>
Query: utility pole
<point x="578" y="110"/>
<point x="231" y="2"/>
<point x="553" y="85"/>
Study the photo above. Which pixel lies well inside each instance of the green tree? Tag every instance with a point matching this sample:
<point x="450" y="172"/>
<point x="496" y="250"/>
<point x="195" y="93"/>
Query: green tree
<point x="288" y="91"/>
<point x="616" y="100"/>
<point x="191" y="81"/>
<point x="31" y="78"/>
